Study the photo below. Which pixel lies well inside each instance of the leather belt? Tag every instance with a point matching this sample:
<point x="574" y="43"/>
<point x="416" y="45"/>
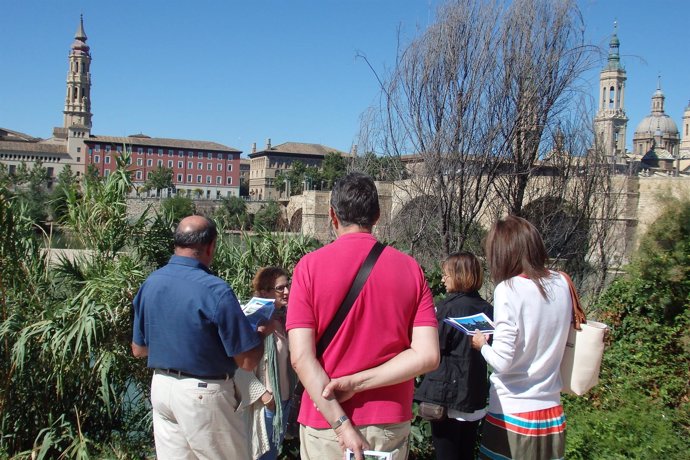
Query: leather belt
<point x="200" y="377"/>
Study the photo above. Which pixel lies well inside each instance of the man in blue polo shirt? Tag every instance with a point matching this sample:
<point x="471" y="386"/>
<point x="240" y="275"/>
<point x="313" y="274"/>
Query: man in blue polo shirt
<point x="189" y="324"/>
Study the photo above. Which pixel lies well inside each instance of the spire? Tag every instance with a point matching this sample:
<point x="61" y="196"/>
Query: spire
<point x="614" y="61"/>
<point x="79" y="45"/>
<point x="81" y="35"/>
<point x="78" y="98"/>
<point x="658" y="99"/>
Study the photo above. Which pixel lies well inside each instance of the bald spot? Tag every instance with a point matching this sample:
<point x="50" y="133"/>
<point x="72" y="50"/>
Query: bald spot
<point x="192" y="224"/>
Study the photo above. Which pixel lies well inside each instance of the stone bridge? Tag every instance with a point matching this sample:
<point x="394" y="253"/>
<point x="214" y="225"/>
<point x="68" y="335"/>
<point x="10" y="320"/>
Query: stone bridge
<point x="637" y="201"/>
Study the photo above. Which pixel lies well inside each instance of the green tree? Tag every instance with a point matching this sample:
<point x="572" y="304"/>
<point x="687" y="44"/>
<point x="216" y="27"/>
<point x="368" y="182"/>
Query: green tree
<point x="178" y="207"/>
<point x="91" y="174"/>
<point x="641" y="407"/>
<point x="334" y="167"/>
<point x="244" y="186"/>
<point x="33" y="195"/>
<point x="159" y="179"/>
<point x="66" y="184"/>
<point x="268" y="217"/>
<point x="232" y="213"/>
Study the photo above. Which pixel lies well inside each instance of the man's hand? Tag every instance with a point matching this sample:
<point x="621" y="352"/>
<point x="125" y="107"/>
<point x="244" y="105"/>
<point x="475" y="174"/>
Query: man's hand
<point x="139" y="351"/>
<point x="267" y="328"/>
<point x="341" y="388"/>
<point x="350" y="438"/>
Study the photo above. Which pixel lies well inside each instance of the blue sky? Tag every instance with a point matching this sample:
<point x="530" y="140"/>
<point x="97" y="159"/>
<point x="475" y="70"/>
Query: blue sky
<point x="238" y="72"/>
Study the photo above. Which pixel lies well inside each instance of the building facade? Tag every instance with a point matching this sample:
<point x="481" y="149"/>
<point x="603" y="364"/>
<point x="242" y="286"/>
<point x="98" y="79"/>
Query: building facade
<point x="611" y="122"/>
<point x="200" y="168"/>
<point x="273" y="161"/>
<point x="657" y="145"/>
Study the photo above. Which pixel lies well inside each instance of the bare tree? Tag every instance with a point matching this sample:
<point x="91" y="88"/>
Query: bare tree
<point x="439" y="104"/>
<point x="486" y="109"/>
<point x="542" y="53"/>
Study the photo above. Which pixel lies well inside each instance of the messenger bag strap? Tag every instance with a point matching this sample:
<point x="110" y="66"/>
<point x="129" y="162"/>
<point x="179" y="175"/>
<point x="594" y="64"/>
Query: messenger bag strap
<point x="350" y="298"/>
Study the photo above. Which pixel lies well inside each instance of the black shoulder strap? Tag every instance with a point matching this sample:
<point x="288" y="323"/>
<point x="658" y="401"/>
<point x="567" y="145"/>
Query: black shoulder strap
<point x="350" y="298"/>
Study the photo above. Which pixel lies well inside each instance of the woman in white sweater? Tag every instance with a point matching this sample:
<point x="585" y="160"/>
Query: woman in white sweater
<point x="532" y="312"/>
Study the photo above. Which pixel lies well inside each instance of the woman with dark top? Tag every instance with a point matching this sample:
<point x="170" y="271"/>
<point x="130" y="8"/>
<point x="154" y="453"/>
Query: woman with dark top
<point x="460" y="383"/>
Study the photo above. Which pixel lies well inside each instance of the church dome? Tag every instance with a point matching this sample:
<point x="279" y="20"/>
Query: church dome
<point x="657" y="123"/>
<point x="663" y="122"/>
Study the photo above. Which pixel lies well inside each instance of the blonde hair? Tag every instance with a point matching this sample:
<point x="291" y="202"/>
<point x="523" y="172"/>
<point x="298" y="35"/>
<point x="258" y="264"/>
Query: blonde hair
<point x="464" y="271"/>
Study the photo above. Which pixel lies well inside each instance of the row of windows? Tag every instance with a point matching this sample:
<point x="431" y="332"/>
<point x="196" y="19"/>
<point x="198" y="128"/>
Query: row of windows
<point x="180" y="164"/>
<point x="21" y="157"/>
<point x="149" y="151"/>
<point x="199" y="178"/>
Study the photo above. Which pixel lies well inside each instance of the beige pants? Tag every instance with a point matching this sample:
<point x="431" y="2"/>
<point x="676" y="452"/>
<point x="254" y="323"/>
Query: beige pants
<point x="323" y="444"/>
<point x="196" y="419"/>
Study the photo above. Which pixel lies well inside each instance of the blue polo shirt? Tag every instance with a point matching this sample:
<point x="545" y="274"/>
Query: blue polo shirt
<point x="190" y="320"/>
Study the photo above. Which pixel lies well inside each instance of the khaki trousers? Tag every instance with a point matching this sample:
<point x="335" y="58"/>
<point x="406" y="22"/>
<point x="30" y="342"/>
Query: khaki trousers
<point x="323" y="444"/>
<point x="196" y="419"/>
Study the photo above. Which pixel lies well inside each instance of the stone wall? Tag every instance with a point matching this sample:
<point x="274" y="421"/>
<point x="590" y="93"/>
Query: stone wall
<point x="635" y="203"/>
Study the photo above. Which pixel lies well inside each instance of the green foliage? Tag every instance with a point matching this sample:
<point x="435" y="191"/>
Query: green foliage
<point x="232" y="213"/>
<point x="641" y="407"/>
<point x="238" y="258"/>
<point x="159" y="179"/>
<point x="269" y="217"/>
<point x="383" y="168"/>
<point x="300" y="177"/>
<point x="30" y="188"/>
<point x="70" y="386"/>
<point x="334" y="167"/>
<point x="177" y="207"/>
<point x="66" y="185"/>
<point x="639" y="429"/>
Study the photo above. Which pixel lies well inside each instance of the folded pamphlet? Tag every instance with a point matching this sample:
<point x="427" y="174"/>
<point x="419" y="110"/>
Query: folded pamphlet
<point x="258" y="310"/>
<point x="468" y="324"/>
<point x="370" y="455"/>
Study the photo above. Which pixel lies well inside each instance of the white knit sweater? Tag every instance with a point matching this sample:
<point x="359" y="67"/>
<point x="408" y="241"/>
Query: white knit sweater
<point x="528" y="344"/>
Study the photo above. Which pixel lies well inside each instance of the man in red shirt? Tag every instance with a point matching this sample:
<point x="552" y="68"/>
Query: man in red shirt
<point x="359" y="393"/>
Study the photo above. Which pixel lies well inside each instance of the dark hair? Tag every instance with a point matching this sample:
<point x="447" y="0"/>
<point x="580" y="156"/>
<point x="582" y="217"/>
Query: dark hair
<point x="196" y="238"/>
<point x="354" y="200"/>
<point x="513" y="247"/>
<point x="465" y="272"/>
<point x="265" y="277"/>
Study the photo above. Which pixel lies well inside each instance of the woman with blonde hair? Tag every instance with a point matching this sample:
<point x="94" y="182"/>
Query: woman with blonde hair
<point x="532" y="310"/>
<point x="459" y="384"/>
<point x="266" y="393"/>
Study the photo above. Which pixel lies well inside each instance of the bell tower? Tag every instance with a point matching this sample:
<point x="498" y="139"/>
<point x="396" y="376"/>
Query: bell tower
<point x="610" y="123"/>
<point x="77" y="119"/>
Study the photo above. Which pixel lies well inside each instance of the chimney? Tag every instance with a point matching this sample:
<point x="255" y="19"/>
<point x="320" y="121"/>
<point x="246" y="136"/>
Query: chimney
<point x="253" y="147"/>
<point x="268" y="144"/>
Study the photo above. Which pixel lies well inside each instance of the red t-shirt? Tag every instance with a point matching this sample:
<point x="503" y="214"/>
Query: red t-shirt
<point x="394" y="299"/>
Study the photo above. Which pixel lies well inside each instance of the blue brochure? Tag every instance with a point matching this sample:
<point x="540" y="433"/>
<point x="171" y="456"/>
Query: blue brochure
<point x="468" y="324"/>
<point x="258" y="310"/>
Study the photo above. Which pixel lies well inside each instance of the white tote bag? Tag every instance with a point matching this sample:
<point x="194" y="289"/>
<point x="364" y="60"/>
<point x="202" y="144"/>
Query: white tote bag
<point x="582" y="358"/>
<point x="583" y="350"/>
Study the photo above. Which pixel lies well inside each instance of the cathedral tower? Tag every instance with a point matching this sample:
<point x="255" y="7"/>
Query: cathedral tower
<point x="685" y="143"/>
<point x="610" y="122"/>
<point x="77" y="120"/>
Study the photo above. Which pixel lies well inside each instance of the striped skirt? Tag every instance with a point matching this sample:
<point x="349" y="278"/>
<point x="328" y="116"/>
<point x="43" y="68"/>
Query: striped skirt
<point x="528" y="435"/>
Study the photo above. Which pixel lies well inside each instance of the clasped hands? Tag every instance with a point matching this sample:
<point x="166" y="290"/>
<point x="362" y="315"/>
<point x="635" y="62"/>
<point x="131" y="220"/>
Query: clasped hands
<point x="342" y="389"/>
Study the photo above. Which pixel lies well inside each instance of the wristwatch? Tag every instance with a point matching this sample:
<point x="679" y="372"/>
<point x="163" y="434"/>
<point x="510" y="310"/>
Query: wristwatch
<point x="342" y="419"/>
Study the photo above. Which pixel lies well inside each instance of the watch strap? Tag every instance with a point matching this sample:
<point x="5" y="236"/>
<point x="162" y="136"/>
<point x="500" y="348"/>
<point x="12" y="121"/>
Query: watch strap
<point x="338" y="423"/>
